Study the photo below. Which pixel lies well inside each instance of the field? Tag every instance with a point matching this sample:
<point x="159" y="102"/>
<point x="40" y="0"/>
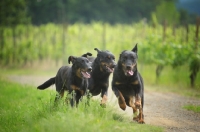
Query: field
<point x="166" y="62"/>
<point x="23" y="108"/>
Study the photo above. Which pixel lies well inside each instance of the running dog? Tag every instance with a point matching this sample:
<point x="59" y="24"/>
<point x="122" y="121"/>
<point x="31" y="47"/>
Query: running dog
<point x="102" y="66"/>
<point x="71" y="78"/>
<point x="127" y="84"/>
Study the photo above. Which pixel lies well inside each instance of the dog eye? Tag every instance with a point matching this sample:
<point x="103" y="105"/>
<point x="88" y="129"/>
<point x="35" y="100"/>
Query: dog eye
<point x="132" y="58"/>
<point x="108" y="58"/>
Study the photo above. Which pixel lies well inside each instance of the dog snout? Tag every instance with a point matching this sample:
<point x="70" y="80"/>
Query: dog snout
<point x="128" y="67"/>
<point x="113" y="66"/>
<point x="89" y="69"/>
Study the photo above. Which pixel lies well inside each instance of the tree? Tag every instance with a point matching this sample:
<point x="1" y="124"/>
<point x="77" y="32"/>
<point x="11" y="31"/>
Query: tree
<point x="166" y="13"/>
<point x="13" y="12"/>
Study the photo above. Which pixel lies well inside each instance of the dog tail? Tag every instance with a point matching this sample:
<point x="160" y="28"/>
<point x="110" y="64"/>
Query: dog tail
<point x="47" y="84"/>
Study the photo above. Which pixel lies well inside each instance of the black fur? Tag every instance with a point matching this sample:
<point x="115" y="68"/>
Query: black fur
<point x="71" y="78"/>
<point x="102" y="66"/>
<point x="127" y="83"/>
<point x="46" y="84"/>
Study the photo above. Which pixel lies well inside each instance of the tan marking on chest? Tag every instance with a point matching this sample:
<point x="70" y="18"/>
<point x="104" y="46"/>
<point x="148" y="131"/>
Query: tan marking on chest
<point x="135" y="82"/>
<point x="118" y="83"/>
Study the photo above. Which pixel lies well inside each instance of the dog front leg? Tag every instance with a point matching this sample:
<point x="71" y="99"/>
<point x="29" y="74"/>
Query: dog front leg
<point x="138" y="105"/>
<point x="121" y="101"/>
<point x="133" y="106"/>
<point x="59" y="95"/>
<point x="104" y="98"/>
<point x="73" y="98"/>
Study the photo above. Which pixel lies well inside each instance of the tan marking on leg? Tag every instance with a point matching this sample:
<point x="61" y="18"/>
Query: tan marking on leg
<point x="58" y="96"/>
<point x="138" y="104"/>
<point x="140" y="116"/>
<point x="121" y="101"/>
<point x="132" y="104"/>
<point x="62" y="93"/>
<point x="138" y="101"/>
<point x="104" y="100"/>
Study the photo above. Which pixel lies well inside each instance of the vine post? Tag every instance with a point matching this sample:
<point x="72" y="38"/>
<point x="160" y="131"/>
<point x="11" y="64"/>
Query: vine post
<point x="195" y="62"/>
<point x="104" y="36"/>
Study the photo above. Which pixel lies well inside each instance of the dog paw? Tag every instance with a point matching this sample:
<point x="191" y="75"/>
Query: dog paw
<point x="141" y="121"/>
<point x="123" y="107"/>
<point x="103" y="105"/>
<point x="136" y="119"/>
<point x="138" y="105"/>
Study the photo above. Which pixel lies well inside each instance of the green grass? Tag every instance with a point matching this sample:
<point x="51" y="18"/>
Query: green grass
<point x="194" y="108"/>
<point x="24" y="108"/>
<point x="171" y="80"/>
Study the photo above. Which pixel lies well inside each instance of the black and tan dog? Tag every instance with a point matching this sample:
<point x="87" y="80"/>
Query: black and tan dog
<point x="127" y="83"/>
<point x="102" y="66"/>
<point x="71" y="78"/>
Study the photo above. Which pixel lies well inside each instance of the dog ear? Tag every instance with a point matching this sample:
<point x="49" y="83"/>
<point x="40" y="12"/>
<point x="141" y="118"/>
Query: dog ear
<point x="87" y="54"/>
<point x="72" y="59"/>
<point x="97" y="50"/>
<point x="135" y="49"/>
<point x="120" y="55"/>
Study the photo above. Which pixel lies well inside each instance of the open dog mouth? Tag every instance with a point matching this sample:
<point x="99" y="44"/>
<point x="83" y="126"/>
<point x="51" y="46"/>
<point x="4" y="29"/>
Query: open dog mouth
<point x="85" y="74"/>
<point x="109" y="69"/>
<point x="129" y="72"/>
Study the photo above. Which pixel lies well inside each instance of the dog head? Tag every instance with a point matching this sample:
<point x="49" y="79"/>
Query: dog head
<point x="106" y="61"/>
<point x="81" y="65"/>
<point x="128" y="61"/>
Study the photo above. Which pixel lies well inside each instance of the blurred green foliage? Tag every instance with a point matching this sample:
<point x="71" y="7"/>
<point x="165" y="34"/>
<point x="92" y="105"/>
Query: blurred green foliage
<point x="38" y="43"/>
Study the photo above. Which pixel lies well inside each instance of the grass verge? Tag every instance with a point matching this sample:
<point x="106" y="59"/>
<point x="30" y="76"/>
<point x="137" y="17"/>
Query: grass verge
<point x="171" y="80"/>
<point x="194" y="108"/>
<point x="23" y="108"/>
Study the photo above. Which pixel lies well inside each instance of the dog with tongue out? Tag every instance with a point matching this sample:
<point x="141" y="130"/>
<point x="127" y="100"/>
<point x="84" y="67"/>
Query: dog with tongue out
<point x="127" y="83"/>
<point x="71" y="78"/>
<point x="102" y="66"/>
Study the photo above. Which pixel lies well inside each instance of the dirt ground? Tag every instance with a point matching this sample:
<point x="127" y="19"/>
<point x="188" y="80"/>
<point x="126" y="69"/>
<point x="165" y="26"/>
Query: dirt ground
<point x="160" y="109"/>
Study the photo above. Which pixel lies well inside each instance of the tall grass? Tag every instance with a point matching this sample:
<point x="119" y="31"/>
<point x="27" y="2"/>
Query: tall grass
<point x="23" y="108"/>
<point x="194" y="108"/>
<point x="171" y="80"/>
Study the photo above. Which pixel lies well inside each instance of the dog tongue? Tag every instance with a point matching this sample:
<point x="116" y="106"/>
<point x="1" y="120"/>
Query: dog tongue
<point x="110" y="69"/>
<point x="85" y="74"/>
<point x="130" y="72"/>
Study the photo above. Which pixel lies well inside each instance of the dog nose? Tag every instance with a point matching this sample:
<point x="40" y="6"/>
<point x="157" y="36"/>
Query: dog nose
<point x="89" y="69"/>
<point x="128" y="67"/>
<point x="113" y="66"/>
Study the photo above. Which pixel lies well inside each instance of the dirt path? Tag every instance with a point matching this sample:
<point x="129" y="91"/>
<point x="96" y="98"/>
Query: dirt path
<point x="160" y="109"/>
